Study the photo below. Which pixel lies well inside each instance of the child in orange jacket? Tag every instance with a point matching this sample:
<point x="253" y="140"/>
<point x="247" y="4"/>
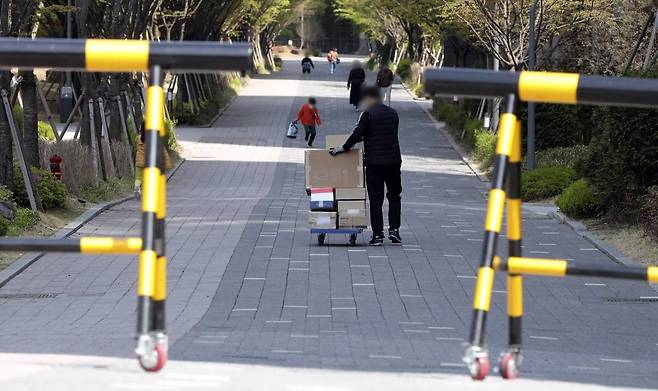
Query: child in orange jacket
<point x="309" y="116"/>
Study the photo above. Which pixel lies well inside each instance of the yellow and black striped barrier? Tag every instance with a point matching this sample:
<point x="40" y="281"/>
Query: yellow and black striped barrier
<point x="117" y="55"/>
<point x="95" y="55"/>
<point x="84" y="245"/>
<point x="543" y="87"/>
<point x="540" y="87"/>
<point x="563" y="268"/>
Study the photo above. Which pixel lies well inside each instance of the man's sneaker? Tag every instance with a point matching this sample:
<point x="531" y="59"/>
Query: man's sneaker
<point x="394" y="236"/>
<point x="377" y="240"/>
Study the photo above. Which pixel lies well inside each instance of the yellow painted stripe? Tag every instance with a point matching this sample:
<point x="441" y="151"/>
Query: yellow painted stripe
<point x="514" y="296"/>
<point x="506" y="128"/>
<point x="513" y="219"/>
<point x="652" y="274"/>
<point x="146" y="276"/>
<point x="485" y="280"/>
<point x="162" y="198"/>
<point x="160" y="292"/>
<point x="96" y="245"/>
<point x="116" y="55"/>
<point x="150" y="187"/>
<point x="515" y="156"/>
<point x="548" y="87"/>
<point x="155" y="109"/>
<point x="495" y="210"/>
<point x="496" y="263"/>
<point x="537" y="266"/>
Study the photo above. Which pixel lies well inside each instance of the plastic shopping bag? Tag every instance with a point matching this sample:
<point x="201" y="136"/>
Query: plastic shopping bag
<point x="292" y="130"/>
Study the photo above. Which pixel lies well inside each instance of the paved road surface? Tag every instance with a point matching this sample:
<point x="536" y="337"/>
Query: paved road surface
<point x="254" y="301"/>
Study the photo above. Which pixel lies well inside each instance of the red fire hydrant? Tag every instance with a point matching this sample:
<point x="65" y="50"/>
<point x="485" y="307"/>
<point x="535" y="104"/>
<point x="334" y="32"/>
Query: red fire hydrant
<point x="55" y="166"/>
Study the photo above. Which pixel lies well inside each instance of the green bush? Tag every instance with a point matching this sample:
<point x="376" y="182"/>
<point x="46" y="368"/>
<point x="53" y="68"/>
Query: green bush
<point x="6" y="194"/>
<point x="24" y="220"/>
<point x="484" y="149"/>
<point x="561" y="156"/>
<point x="18" y="116"/>
<point x="45" y="131"/>
<point x="546" y="182"/>
<point x="649" y="212"/>
<point x="170" y="135"/>
<point x="4" y="226"/>
<point x="622" y="161"/>
<point x="578" y="200"/>
<point x="562" y="125"/>
<point x="52" y="191"/>
<point x="403" y="69"/>
<point x="452" y="115"/>
<point x="278" y="62"/>
<point x="315" y="52"/>
<point x="105" y="191"/>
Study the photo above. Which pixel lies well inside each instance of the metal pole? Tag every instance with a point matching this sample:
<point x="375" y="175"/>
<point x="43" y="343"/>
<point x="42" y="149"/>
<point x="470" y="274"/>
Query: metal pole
<point x="69" y="35"/>
<point x="531" y="105"/>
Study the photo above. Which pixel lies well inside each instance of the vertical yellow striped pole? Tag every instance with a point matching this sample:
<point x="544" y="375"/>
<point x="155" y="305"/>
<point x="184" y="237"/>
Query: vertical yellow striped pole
<point x="152" y="200"/>
<point x="493" y="223"/>
<point x="514" y="235"/>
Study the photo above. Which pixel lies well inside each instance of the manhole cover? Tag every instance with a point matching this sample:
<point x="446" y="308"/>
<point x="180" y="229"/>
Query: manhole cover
<point x="29" y="296"/>
<point x="640" y="300"/>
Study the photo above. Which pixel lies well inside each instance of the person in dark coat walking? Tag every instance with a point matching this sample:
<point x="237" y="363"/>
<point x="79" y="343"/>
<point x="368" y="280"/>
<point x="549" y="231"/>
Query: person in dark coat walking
<point x="378" y="129"/>
<point x="356" y="78"/>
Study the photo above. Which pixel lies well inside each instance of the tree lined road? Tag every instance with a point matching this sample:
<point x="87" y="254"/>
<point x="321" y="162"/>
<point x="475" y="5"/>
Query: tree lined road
<point x="255" y="302"/>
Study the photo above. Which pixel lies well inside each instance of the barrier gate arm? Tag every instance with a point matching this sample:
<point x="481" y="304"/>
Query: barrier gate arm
<point x="543" y="87"/>
<point x="97" y="55"/>
<point x="540" y="87"/>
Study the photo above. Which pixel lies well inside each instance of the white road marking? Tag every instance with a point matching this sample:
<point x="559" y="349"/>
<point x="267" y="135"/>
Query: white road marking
<point x="354" y="250"/>
<point x="415" y="331"/>
<point x="377" y="256"/>
<point x="618" y="360"/>
<point x="298" y="269"/>
<point x="381" y="356"/>
<point x="244" y="309"/>
<point x="295" y="306"/>
<point x="453" y="256"/>
<point x="278" y="321"/>
<point x="319" y="255"/>
<point x="589" y="249"/>
<point x="363" y="284"/>
<point x="304" y="336"/>
<point x="442" y="328"/>
<point x="359" y="266"/>
<point x="551" y="233"/>
<point x="581" y="368"/>
<point x="283" y="351"/>
<point x="452" y="364"/>
<point x="343" y="308"/>
<point x="449" y="339"/>
<point x="539" y="252"/>
<point x="318" y="316"/>
<point x="594" y="284"/>
<point x="420" y="296"/>
<point x="466" y="276"/>
<point x="543" y="338"/>
<point x="255" y="278"/>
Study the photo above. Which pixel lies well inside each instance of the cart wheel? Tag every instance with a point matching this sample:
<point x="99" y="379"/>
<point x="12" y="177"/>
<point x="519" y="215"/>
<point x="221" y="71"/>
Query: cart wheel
<point x="321" y="239"/>
<point x="509" y="365"/>
<point x="154" y="360"/>
<point x="479" y="368"/>
<point x="353" y="239"/>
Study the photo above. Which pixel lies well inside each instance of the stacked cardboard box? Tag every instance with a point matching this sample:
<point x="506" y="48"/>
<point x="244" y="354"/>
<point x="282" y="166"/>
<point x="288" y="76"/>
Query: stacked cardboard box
<point x="336" y="186"/>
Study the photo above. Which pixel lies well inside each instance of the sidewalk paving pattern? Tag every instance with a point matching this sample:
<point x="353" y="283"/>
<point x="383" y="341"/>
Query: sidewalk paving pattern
<point x="249" y="285"/>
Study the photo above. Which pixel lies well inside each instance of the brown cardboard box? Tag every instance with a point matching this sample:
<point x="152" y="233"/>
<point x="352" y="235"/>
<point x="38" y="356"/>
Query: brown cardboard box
<point x="352" y="214"/>
<point x="342" y="170"/>
<point x="322" y="220"/>
<point x="335" y="140"/>
<point x="350" y="193"/>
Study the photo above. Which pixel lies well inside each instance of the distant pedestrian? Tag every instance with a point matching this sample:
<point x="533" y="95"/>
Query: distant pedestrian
<point x="332" y="58"/>
<point x="378" y="129"/>
<point x="309" y="116"/>
<point x="356" y="78"/>
<point x="385" y="79"/>
<point x="307" y="64"/>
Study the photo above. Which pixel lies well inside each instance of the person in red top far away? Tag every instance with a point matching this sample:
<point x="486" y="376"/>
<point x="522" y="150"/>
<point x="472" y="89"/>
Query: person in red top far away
<point x="309" y="117"/>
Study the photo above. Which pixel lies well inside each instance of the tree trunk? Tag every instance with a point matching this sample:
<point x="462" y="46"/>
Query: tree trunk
<point x="6" y="151"/>
<point x="114" y="91"/>
<point x="30" y="118"/>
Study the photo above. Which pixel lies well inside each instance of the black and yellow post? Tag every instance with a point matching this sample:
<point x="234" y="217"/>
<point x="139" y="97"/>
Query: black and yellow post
<point x="510" y="358"/>
<point x="476" y="355"/>
<point x="151" y="343"/>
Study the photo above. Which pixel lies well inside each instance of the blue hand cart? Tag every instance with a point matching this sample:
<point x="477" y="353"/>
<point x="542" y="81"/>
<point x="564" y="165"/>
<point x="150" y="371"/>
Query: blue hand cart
<point x="323" y="232"/>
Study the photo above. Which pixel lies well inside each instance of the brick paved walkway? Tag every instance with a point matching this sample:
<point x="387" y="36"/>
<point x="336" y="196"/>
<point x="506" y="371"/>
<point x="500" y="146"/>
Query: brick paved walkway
<point x="249" y="285"/>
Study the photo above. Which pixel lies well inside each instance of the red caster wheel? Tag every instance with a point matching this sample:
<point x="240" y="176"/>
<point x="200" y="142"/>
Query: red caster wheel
<point x="479" y="368"/>
<point x="155" y="359"/>
<point x="509" y="366"/>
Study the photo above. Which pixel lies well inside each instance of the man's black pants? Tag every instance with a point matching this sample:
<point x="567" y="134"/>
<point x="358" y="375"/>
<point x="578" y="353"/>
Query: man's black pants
<point x="376" y="178"/>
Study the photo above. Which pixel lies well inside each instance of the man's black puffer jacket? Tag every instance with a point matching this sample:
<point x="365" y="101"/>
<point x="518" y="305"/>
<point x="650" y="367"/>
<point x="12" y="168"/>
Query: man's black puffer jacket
<point x="378" y="129"/>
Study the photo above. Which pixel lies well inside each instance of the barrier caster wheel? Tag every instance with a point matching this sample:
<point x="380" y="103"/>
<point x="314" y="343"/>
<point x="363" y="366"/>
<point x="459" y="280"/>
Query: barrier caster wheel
<point x="321" y="239"/>
<point x="508" y="366"/>
<point x="155" y="359"/>
<point x="353" y="240"/>
<point x="479" y="368"/>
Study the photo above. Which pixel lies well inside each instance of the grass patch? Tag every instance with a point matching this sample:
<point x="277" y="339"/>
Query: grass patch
<point x="106" y="191"/>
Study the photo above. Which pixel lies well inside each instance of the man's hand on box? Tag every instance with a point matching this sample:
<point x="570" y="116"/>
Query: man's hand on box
<point x="336" y="151"/>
